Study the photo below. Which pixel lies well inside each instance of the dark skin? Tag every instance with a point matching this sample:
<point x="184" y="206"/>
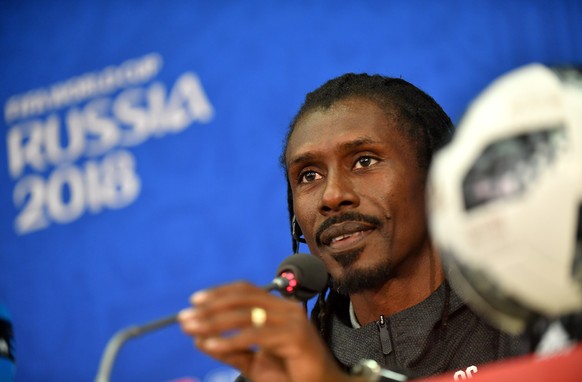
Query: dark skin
<point x="349" y="158"/>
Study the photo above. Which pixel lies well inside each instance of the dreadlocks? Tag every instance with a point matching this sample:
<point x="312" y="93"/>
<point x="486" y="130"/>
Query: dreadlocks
<point x="419" y="118"/>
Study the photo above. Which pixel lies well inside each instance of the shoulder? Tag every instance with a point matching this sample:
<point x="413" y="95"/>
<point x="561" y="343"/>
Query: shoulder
<point x="480" y="342"/>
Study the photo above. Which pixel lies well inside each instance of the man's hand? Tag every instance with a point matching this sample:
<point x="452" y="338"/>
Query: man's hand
<point x="284" y="348"/>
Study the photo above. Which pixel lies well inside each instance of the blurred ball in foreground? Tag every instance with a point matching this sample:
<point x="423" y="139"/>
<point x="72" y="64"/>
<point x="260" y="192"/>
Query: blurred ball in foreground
<point x="505" y="198"/>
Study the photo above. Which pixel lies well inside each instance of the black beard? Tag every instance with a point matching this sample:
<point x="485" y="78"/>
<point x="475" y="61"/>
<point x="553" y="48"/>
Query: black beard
<point x="359" y="280"/>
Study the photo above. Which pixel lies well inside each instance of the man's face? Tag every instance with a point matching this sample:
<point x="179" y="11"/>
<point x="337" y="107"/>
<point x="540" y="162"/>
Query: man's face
<point x="358" y="193"/>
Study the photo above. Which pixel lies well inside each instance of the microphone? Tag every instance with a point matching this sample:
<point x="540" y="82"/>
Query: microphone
<point x="300" y="276"/>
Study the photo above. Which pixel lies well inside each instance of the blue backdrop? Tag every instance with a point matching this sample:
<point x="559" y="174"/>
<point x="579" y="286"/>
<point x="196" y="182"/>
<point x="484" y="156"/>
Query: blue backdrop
<point x="141" y="145"/>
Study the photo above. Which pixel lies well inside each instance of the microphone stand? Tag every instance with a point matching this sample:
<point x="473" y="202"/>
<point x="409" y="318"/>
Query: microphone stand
<point x="117" y="341"/>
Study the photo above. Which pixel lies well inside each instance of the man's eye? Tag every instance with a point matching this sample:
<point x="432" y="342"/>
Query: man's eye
<point x="308" y="177"/>
<point x="365" y="162"/>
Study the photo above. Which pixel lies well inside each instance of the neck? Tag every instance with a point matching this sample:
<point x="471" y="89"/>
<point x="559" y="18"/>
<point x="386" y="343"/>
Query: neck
<point x="411" y="283"/>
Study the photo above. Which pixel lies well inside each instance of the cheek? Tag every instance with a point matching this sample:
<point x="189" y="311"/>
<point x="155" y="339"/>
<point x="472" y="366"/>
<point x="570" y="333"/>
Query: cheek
<point x="305" y="213"/>
<point x="411" y="216"/>
<point x="404" y="204"/>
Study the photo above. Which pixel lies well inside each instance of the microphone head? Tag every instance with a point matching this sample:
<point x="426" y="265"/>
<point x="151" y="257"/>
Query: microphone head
<point x="306" y="274"/>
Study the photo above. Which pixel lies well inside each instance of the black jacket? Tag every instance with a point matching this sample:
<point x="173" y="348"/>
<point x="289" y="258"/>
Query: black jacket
<point x="423" y="340"/>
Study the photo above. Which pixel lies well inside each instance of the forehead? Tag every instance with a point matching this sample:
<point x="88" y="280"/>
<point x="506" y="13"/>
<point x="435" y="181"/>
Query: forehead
<point x="351" y="120"/>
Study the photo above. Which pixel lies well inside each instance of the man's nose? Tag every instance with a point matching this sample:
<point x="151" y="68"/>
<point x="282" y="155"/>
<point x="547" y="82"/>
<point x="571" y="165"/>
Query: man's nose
<point x="338" y="194"/>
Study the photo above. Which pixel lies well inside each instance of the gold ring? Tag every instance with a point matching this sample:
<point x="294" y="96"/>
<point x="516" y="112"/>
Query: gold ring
<point x="258" y="317"/>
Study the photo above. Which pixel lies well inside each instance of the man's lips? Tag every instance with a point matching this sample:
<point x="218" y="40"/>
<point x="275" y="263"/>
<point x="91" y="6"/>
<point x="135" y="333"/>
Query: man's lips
<point x="345" y="232"/>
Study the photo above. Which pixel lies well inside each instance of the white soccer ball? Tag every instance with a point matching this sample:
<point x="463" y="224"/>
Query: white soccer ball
<point x="505" y="198"/>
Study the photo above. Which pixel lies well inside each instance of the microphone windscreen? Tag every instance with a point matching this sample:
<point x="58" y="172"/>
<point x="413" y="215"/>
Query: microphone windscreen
<point x="309" y="272"/>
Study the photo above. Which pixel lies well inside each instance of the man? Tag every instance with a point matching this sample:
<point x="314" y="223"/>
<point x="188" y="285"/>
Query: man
<point x="356" y="157"/>
<point x="7" y="362"/>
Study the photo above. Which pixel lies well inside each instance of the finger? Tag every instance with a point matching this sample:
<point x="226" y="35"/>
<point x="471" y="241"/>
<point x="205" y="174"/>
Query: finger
<point x="272" y="340"/>
<point x="216" y="293"/>
<point x="213" y="321"/>
<point x="280" y="328"/>
<point x="233" y="311"/>
<point x="236" y="295"/>
<point x="193" y="322"/>
<point x="240" y="359"/>
<point x="213" y="304"/>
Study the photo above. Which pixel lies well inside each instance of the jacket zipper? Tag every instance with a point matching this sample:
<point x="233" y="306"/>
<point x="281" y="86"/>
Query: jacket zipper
<point x="384" y="335"/>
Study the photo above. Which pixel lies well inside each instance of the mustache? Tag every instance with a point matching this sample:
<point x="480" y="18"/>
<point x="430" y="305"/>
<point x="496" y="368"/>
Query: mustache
<point x="346" y="217"/>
